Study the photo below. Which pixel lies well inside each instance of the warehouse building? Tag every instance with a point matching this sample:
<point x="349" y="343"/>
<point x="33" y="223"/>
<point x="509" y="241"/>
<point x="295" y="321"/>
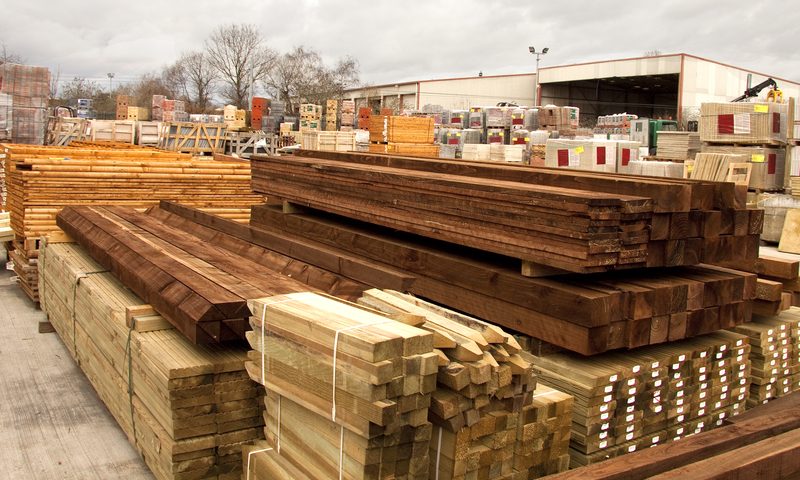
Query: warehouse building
<point x="666" y="86"/>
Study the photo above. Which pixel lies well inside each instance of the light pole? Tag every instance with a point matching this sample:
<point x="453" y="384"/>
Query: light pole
<point x="110" y="78"/>
<point x="538" y="56"/>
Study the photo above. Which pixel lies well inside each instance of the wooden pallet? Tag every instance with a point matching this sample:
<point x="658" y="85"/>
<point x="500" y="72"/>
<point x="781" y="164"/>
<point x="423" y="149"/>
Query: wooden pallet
<point x="194" y="138"/>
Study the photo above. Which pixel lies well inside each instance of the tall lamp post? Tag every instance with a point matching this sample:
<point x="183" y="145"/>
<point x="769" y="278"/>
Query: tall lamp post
<point x="538" y="56"/>
<point x="111" y="77"/>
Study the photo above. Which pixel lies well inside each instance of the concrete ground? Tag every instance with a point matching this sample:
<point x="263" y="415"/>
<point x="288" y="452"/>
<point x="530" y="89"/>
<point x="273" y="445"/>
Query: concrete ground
<point x="52" y="424"/>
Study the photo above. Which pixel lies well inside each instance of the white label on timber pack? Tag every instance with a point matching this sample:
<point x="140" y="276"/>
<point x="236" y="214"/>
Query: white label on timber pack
<point x="631" y="400"/>
<point x="676" y="376"/>
<point x="703" y="386"/>
<point x="742" y="367"/>
<point x="632" y="391"/>
<point x="717" y="405"/>
<point x="603" y="444"/>
<point x="603" y="435"/>
<point x="770" y="339"/>
<point x="680" y="393"/>
<point x="773" y="362"/>
<point x="630" y="409"/>
<point x="741" y="123"/>
<point x="702" y="411"/>
<point x="703" y="354"/>
<point x="612" y="378"/>
<point x="629" y="436"/>
<point x="679" y="431"/>
<point x="721" y="363"/>
<point x="680" y="418"/>
<point x="607" y="398"/>
<point x="657" y="398"/>
<point x="722" y="372"/>
<point x="742" y="381"/>
<point x="656" y="439"/>
<point x="723" y="396"/>
<point x="679" y="401"/>
<point x="676" y="366"/>
<point x="629" y="418"/>
<point x="632" y="449"/>
<point x="702" y="370"/>
<point x="657" y="383"/>
<point x="608" y="389"/>
<point x="658" y="409"/>
<point x="654" y="365"/>
<point x="604" y="416"/>
<point x="722" y="348"/>
<point x="679" y="384"/>
<point x="680" y="410"/>
<point x="605" y="426"/>
<point x="636" y="368"/>
<point x="723" y="379"/>
<point x="739" y="358"/>
<point x="724" y="388"/>
<point x="629" y="428"/>
<point x="574" y="158"/>
<point x="631" y="382"/>
<point x="654" y="374"/>
<point x="702" y="404"/>
<point x="603" y="408"/>
<point x="703" y="394"/>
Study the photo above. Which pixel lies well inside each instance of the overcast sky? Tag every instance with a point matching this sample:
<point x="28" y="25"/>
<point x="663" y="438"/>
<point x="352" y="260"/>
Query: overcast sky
<point x="405" y="40"/>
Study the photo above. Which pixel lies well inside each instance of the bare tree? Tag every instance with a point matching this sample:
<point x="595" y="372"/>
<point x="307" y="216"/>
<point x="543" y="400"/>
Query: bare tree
<point x="175" y="82"/>
<point x="239" y="55"/>
<point x="652" y="53"/>
<point x="301" y="75"/>
<point x="200" y="77"/>
<point x="54" y="81"/>
<point x="8" y="57"/>
<point x="80" y="87"/>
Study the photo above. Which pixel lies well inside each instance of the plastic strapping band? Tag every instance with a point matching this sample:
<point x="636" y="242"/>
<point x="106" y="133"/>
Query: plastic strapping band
<point x="247" y="473"/>
<point x="341" y="451"/>
<point x="278" y="440"/>
<point x="438" y="452"/>
<point x="335" y="353"/>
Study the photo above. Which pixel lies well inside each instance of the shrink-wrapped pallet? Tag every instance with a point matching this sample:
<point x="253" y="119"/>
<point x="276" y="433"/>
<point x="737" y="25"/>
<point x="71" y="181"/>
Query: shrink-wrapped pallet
<point x="506" y="153"/>
<point x="476" y="118"/>
<point x="768" y="164"/>
<point x="29" y="89"/>
<point x="746" y="123"/>
<point x="627" y="151"/>
<point x="459" y="118"/>
<point x="495" y="135"/>
<point x="471" y="135"/>
<point x="596" y="155"/>
<point x="479" y="152"/>
<point x="531" y="119"/>
<point x="559" y="118"/>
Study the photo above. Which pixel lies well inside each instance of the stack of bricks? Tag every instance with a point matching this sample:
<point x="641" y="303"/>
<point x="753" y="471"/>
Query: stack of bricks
<point x="331" y="113"/>
<point x="348" y="115"/>
<point x="310" y="117"/>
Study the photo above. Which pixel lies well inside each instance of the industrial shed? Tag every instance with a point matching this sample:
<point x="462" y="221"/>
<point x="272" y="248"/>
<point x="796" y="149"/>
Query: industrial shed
<point x="664" y="86"/>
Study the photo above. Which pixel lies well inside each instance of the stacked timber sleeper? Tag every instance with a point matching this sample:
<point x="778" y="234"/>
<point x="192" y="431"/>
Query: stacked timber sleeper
<point x="586" y="314"/>
<point x="691" y="221"/>
<point x="42" y="180"/>
<point x="188" y="410"/>
<point x="628" y="401"/>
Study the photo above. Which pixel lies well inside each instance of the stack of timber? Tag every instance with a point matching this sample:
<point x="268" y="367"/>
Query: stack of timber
<point x="774" y="355"/>
<point x="402" y="135"/>
<point x="202" y="289"/>
<point x="43" y="180"/>
<point x="586" y="314"/>
<point x="762" y="443"/>
<point x="6" y="233"/>
<point x="489" y="418"/>
<point x="579" y="227"/>
<point x="744" y="123"/>
<point x="678" y="145"/>
<point x="186" y="409"/>
<point x="348" y="389"/>
<point x="785" y="271"/>
<point x="637" y="399"/>
<point x="768" y="164"/>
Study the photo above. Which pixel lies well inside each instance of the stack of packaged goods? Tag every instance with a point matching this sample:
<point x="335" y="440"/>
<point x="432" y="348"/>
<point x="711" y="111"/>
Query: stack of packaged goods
<point x="310" y="117"/>
<point x="348" y="115"/>
<point x="564" y="120"/>
<point x="123" y="102"/>
<point x="26" y="90"/>
<point x="331" y="114"/>
<point x="259" y="111"/>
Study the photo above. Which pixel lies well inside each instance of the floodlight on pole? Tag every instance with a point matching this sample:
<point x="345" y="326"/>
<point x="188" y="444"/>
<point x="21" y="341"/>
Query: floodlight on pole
<point x="533" y="51"/>
<point x="110" y="78"/>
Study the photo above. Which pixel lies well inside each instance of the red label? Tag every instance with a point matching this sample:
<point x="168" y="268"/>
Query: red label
<point x="563" y="158"/>
<point x="496" y="139"/>
<point x="517" y="121"/>
<point x="455" y="120"/>
<point x="519" y="141"/>
<point x="452" y="141"/>
<point x="601" y="155"/>
<point x="772" y="160"/>
<point x="776" y="122"/>
<point x="725" y="124"/>
<point x="626" y="156"/>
